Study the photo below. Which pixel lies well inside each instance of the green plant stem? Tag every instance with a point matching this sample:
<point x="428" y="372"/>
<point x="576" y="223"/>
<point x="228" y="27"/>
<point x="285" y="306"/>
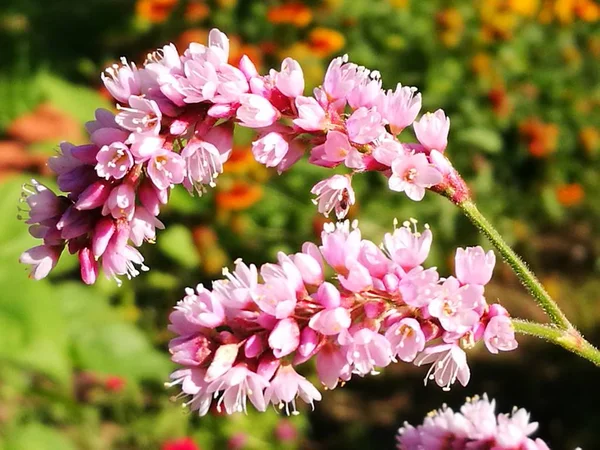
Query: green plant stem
<point x="518" y="266"/>
<point x="569" y="339"/>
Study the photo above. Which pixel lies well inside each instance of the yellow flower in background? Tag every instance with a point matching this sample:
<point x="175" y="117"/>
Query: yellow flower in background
<point x="570" y="194"/>
<point x="295" y="14"/>
<point x="564" y="10"/>
<point x="325" y="41"/>
<point x="589" y="137"/>
<point x="155" y="11"/>
<point x="400" y="4"/>
<point x="451" y="24"/>
<point x="527" y="8"/>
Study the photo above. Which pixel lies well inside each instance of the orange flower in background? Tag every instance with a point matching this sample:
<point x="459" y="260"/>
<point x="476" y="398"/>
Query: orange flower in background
<point x="189" y="36"/>
<point x="541" y="138"/>
<point x="155" y="11"/>
<point x="45" y="123"/>
<point x="237" y="49"/>
<point x="587" y="10"/>
<point x="325" y="41"/>
<point x="240" y="161"/>
<point x="570" y="194"/>
<point x="196" y="11"/>
<point x="501" y="104"/>
<point x="241" y="195"/>
<point x="295" y="14"/>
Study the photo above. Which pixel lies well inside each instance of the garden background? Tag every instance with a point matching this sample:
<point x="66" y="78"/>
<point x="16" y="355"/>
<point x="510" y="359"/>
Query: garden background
<point x="83" y="367"/>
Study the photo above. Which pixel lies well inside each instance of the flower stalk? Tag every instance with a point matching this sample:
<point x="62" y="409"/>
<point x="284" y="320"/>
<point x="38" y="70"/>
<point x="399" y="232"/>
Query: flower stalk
<point x="560" y="331"/>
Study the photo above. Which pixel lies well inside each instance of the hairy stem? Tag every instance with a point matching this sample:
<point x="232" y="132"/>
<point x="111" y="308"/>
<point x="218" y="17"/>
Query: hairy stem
<point x="518" y="266"/>
<point x="569" y="339"/>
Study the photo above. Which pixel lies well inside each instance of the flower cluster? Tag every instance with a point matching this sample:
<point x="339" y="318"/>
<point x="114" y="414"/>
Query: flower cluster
<point x="474" y="427"/>
<point x="175" y="126"/>
<point x="243" y="338"/>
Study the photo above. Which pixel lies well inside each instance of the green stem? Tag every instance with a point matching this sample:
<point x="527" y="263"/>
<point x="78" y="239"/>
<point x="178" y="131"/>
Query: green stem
<point x="518" y="266"/>
<point x="569" y="339"/>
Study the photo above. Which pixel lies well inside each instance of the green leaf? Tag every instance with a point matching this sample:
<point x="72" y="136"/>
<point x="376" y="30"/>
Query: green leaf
<point x="39" y="437"/>
<point x="78" y="101"/>
<point x="177" y="243"/>
<point x="120" y="349"/>
<point x="483" y="139"/>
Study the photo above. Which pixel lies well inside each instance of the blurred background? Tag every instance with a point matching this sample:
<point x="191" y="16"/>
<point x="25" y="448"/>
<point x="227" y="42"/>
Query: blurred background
<point x="83" y="367"/>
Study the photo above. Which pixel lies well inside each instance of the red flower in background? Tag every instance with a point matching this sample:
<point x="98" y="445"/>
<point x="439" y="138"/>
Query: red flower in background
<point x="114" y="383"/>
<point x="185" y="443"/>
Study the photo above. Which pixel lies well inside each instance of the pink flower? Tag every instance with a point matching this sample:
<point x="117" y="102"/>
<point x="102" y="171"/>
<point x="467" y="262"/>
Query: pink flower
<point x="119" y="258"/>
<point x="340" y="78"/>
<point x="285" y="337"/>
<point x="236" y="291"/>
<point x="122" y="81"/>
<point x="331" y="322"/>
<point x="42" y="259"/>
<point x="407" y="248"/>
<point x="142" y="115"/>
<point x="367" y="89"/>
<point x="388" y="151"/>
<point x="88" y="266"/>
<point x="340" y="245"/>
<point x="193" y="384"/>
<point x="334" y="193"/>
<point x="191" y="350"/>
<point x="145" y="146"/>
<point x="332" y="365"/>
<point x="413" y="174"/>
<point x="474" y="427"/>
<point x="143" y="226"/>
<point x="199" y="308"/>
<point x="365" y="125"/>
<point x="365" y="350"/>
<point x="328" y="296"/>
<point x="222" y="361"/>
<point x="270" y="149"/>
<point x="204" y="157"/>
<point x="43" y="204"/>
<point x="102" y="235"/>
<point x="406" y="338"/>
<point x="400" y="107"/>
<point x="432" y="130"/>
<point x="120" y="202"/>
<point x="238" y="385"/>
<point x="448" y="363"/>
<point x="286" y="385"/>
<point x="232" y="84"/>
<point x="455" y="306"/>
<point x="474" y="266"/>
<point x="290" y="81"/>
<point x="337" y="148"/>
<point x="311" y="115"/>
<point x="513" y="429"/>
<point x="256" y="111"/>
<point x="499" y="335"/>
<point x="166" y="168"/>
<point x="114" y="161"/>
<point x="310" y="268"/>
